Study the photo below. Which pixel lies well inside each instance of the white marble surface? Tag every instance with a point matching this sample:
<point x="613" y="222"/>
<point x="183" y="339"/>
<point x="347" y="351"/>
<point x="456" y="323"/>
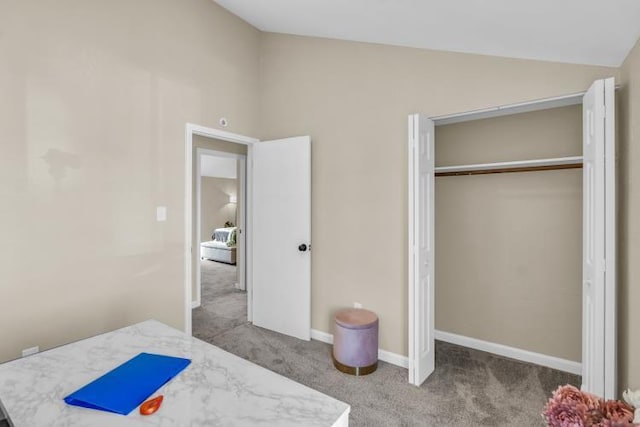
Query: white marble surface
<point x="216" y="389"/>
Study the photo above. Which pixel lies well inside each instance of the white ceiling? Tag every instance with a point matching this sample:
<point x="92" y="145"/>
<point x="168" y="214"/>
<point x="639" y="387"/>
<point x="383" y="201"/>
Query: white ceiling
<point x="598" y="32"/>
<point x="218" y="167"/>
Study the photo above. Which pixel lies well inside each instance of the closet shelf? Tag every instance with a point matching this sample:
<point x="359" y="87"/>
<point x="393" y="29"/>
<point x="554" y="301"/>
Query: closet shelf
<point x="516" y="166"/>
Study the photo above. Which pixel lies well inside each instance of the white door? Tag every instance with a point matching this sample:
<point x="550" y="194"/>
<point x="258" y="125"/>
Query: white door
<point x="281" y="236"/>
<point x="421" y="245"/>
<point x="598" y="272"/>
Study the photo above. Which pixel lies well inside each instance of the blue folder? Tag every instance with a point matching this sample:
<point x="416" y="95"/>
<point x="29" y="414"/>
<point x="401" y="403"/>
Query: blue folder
<point x="124" y="388"/>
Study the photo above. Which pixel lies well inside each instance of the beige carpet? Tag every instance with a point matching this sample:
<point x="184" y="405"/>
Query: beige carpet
<point x="222" y="307"/>
<point x="468" y="388"/>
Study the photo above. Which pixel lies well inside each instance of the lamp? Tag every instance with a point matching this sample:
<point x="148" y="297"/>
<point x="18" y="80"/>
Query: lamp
<point x="233" y="198"/>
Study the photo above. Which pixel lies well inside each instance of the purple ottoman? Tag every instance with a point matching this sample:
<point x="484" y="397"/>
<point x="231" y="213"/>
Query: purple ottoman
<point x="355" y="341"/>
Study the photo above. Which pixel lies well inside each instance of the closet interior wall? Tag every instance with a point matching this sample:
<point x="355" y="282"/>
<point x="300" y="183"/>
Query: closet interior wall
<point x="508" y="264"/>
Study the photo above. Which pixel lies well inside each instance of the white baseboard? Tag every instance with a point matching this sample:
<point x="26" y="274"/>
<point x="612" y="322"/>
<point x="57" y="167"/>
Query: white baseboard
<point x="393" y="358"/>
<point x="321" y="336"/>
<point x="384" y="355"/>
<point x="511" y="352"/>
<point x="195" y="304"/>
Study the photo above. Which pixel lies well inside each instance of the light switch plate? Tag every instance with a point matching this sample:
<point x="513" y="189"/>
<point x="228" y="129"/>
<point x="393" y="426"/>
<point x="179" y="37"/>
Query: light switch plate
<point x="161" y="213"/>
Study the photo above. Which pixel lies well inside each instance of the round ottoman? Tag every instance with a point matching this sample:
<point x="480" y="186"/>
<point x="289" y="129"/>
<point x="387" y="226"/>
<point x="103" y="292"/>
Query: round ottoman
<point x="355" y="341"/>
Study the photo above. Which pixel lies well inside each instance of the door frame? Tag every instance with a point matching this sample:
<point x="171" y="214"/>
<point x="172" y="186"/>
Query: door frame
<point x="609" y="304"/>
<point x="191" y="130"/>
<point x="241" y="184"/>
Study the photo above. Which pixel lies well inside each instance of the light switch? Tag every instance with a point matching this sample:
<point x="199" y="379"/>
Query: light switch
<point x="161" y="213"/>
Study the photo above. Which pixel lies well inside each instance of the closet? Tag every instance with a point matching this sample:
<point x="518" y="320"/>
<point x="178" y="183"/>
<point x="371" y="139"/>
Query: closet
<point x="508" y="234"/>
<point x="511" y="230"/>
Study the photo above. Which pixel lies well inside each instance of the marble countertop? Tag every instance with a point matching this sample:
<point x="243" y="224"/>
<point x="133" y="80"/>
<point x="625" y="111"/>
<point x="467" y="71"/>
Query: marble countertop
<point x="217" y="389"/>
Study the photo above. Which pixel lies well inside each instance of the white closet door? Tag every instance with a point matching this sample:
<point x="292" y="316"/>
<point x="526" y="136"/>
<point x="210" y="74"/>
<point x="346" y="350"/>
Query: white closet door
<point x="281" y="236"/>
<point x="421" y="249"/>
<point x="598" y="273"/>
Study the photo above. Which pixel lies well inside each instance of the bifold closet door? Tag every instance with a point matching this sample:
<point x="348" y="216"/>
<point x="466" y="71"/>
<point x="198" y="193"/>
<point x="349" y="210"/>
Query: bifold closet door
<point x="598" y="272"/>
<point x="421" y="248"/>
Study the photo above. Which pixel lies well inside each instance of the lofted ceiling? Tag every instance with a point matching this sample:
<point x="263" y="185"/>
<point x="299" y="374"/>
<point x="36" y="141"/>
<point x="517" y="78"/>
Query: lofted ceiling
<point x="596" y="32"/>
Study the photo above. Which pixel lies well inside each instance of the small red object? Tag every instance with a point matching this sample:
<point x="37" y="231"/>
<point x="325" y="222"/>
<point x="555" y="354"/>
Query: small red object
<point x="151" y="406"/>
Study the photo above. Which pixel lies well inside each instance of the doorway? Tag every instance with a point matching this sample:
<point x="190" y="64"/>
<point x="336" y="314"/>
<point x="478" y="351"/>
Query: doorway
<point x="276" y="232"/>
<point x="220" y="300"/>
<point x="220" y="151"/>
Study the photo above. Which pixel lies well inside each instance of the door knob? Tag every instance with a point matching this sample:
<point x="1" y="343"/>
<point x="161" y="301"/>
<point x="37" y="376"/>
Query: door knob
<point x="302" y="248"/>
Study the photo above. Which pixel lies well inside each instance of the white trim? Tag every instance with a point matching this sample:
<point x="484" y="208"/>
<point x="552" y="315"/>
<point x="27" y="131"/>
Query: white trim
<point x="195" y="304"/>
<point x="190" y="130"/>
<point x="393" y="358"/>
<point x="512" y="352"/>
<point x="248" y="235"/>
<point x="505" y="110"/>
<point x="514" y="164"/>
<point x="198" y="249"/>
<point x="384" y="355"/>
<point x="611" y="326"/>
<point x="220" y="134"/>
<point x="188" y="227"/>
<point x="411" y="230"/>
<point x="509" y="109"/>
<point x="324" y="337"/>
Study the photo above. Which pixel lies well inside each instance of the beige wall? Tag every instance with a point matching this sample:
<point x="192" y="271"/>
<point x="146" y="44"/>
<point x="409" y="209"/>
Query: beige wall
<point x="215" y="208"/>
<point x="353" y="99"/>
<point x="509" y="246"/>
<point x="629" y="225"/>
<point x="95" y="97"/>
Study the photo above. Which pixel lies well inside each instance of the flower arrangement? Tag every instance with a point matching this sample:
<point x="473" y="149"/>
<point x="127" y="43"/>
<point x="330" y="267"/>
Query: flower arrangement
<point x="570" y="407"/>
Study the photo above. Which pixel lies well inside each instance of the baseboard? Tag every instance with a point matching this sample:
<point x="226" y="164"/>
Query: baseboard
<point x="511" y="352"/>
<point x="499" y="349"/>
<point x="384" y="355"/>
<point x="321" y="336"/>
<point x="195" y="304"/>
<point x="393" y="358"/>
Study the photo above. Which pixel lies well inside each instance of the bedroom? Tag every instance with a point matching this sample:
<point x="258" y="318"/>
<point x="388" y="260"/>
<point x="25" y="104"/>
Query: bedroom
<point x="109" y="87"/>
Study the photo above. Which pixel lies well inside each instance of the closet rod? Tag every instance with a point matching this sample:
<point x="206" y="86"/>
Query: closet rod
<point x="507" y="167"/>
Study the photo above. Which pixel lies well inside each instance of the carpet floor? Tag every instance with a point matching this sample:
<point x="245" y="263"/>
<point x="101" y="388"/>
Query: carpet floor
<point x="468" y="387"/>
<point x="222" y="306"/>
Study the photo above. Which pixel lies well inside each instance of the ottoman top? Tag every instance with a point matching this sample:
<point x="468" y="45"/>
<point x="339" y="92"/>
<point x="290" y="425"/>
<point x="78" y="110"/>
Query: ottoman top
<point x="356" y="318"/>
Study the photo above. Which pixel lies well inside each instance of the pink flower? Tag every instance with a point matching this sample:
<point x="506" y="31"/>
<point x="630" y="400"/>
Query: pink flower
<point x="569" y="394"/>
<point x="558" y="414"/>
<point x="570" y="407"/>
<point x="617" y="412"/>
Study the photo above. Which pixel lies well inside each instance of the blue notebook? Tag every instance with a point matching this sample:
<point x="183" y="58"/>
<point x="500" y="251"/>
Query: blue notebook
<point x="124" y="388"/>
